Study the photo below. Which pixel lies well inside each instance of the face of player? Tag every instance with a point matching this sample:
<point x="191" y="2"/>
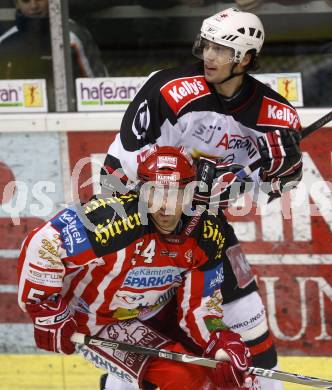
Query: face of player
<point x="33" y="8"/>
<point x="218" y="61"/>
<point x="168" y="211"/>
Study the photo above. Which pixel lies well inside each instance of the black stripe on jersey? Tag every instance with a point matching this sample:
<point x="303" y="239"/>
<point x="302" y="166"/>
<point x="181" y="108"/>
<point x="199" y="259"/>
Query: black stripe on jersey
<point x="258" y="340"/>
<point x="116" y="222"/>
<point x="211" y="239"/>
<point x="267" y="359"/>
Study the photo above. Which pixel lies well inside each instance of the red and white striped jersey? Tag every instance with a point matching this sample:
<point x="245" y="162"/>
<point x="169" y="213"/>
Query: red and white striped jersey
<point x="111" y="268"/>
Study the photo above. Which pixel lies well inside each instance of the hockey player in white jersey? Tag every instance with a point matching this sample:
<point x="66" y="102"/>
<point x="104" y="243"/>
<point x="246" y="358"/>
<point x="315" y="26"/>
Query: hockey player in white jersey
<point x="216" y="110"/>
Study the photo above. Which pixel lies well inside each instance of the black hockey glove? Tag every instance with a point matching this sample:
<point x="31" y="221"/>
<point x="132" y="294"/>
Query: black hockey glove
<point x="281" y="184"/>
<point x="112" y="177"/>
<point x="218" y="184"/>
<point x="281" y="161"/>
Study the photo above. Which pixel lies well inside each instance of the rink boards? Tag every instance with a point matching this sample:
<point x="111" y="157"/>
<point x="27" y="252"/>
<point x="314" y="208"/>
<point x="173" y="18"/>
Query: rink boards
<point x="290" y="249"/>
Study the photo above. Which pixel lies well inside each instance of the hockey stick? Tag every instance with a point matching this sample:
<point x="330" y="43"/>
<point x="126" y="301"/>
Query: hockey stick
<point x="184" y="358"/>
<point x="246" y="171"/>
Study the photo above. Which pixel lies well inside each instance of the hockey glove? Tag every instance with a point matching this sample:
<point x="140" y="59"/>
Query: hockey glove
<point x="278" y="185"/>
<point x="230" y="375"/>
<point x="112" y="177"/>
<point x="281" y="161"/>
<point x="280" y="153"/>
<point x="219" y="186"/>
<point x="53" y="325"/>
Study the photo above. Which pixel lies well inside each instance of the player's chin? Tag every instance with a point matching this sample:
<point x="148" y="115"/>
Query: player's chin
<point x="212" y="77"/>
<point x="167" y="224"/>
<point x="208" y="77"/>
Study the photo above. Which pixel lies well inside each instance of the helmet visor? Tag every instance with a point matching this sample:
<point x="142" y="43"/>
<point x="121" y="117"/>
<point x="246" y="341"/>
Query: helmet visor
<point x="205" y="49"/>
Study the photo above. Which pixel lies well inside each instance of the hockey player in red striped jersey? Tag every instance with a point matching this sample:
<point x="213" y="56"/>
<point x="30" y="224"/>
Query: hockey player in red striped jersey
<point x="101" y="272"/>
<point x="227" y="119"/>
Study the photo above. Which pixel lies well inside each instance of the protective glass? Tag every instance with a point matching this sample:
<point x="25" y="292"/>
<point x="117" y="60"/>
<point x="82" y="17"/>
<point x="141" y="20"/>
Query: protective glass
<point x="203" y="47"/>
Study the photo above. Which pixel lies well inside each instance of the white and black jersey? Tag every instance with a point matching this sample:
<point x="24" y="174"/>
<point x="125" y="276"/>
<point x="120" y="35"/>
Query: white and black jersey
<point x="178" y="107"/>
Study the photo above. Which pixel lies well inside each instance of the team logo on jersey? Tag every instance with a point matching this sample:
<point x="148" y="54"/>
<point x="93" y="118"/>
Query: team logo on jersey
<point x="274" y="113"/>
<point x="129" y="299"/>
<point x="214" y="304"/>
<point x="48" y="251"/>
<point x="213" y="280"/>
<point x="141" y="277"/>
<point x="237" y="141"/>
<point x="114" y="202"/>
<point x="72" y="232"/>
<point x="211" y="232"/>
<point x="164" y="252"/>
<point x="189" y="256"/>
<point x="141" y="121"/>
<point x="43" y="278"/>
<point x="180" y="92"/>
<point x="110" y="228"/>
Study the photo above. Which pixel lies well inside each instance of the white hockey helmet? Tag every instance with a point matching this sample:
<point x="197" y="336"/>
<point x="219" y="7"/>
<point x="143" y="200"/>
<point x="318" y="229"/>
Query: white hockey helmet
<point x="241" y="31"/>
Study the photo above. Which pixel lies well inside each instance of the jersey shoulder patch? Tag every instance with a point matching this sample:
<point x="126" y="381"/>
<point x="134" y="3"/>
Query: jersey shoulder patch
<point x="116" y="222"/>
<point x="275" y="113"/>
<point x="72" y="232"/>
<point x="181" y="91"/>
<point x="211" y="239"/>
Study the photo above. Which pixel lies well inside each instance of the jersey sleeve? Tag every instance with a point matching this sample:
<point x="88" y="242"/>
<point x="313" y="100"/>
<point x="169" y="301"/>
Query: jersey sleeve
<point x="40" y="266"/>
<point x="199" y="298"/>
<point x="274" y="113"/>
<point x="49" y="253"/>
<point x="199" y="303"/>
<point x="148" y="119"/>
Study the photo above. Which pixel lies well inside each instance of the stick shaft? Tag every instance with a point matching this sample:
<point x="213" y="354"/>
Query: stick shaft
<point x="292" y="378"/>
<point x="317" y="124"/>
<point x="122" y="346"/>
<point x="184" y="358"/>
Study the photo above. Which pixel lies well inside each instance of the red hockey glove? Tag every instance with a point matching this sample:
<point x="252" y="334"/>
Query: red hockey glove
<point x="53" y="325"/>
<point x="229" y="375"/>
<point x="219" y="186"/>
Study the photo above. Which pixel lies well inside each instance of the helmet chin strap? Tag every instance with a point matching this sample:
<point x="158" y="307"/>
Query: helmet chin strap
<point x="232" y="75"/>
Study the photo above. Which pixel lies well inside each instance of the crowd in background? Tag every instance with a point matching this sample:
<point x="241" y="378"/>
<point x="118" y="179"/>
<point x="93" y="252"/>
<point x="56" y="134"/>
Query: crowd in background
<point x="99" y="49"/>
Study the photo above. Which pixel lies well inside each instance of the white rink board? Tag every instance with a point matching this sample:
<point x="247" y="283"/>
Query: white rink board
<point x="104" y="121"/>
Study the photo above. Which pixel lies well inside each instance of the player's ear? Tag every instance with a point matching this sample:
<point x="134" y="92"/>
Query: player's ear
<point x="246" y="59"/>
